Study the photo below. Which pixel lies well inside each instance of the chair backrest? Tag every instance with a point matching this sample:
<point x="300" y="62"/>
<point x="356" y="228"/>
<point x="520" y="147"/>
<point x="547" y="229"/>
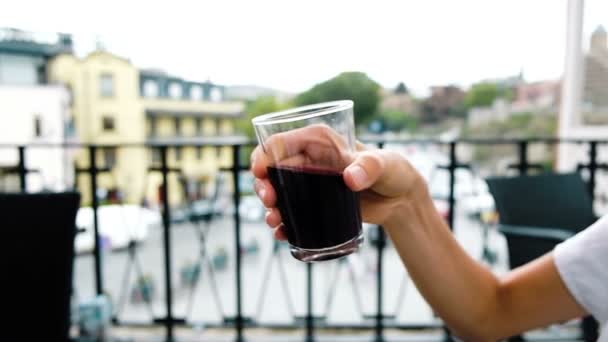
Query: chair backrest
<point x="544" y="200"/>
<point x="36" y="259"/>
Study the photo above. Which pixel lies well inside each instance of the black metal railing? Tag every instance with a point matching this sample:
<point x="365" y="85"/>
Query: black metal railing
<point x="376" y="323"/>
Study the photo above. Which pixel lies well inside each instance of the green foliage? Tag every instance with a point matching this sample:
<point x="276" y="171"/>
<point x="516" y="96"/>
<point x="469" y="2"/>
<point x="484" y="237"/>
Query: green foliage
<point x="458" y="111"/>
<point x="518" y="126"/>
<point x="482" y="95"/>
<point x="355" y="86"/>
<point x="401" y="89"/>
<point x="262" y="105"/>
<point x="395" y="120"/>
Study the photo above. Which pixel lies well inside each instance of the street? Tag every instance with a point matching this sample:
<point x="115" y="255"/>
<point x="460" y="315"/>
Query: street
<point x="353" y="295"/>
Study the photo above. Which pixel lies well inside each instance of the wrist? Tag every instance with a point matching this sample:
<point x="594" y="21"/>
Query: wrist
<point x="413" y="209"/>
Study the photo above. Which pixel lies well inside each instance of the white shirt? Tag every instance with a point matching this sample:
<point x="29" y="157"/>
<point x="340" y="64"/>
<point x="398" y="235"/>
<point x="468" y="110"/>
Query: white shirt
<point x="582" y="263"/>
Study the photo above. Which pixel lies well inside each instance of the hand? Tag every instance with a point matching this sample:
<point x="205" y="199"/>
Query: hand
<point x="386" y="181"/>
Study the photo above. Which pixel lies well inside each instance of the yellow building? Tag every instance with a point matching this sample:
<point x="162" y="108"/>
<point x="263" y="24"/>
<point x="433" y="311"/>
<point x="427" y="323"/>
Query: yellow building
<point x="115" y="103"/>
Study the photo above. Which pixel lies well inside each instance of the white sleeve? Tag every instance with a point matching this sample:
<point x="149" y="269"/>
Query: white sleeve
<point x="582" y="262"/>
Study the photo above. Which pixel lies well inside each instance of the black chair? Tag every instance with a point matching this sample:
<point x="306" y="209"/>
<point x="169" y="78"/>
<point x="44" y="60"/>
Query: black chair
<point x="538" y="212"/>
<point x="36" y="258"/>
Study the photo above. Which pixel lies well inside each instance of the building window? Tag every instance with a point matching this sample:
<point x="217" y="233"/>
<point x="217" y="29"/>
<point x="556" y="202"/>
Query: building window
<point x="196" y="93"/>
<point x="37" y="126"/>
<point x="178" y="126"/>
<point x="108" y="124"/>
<point x="109" y="157"/>
<point x="150" y="88"/>
<point x="199" y="126"/>
<point x="175" y="90"/>
<point x="70" y="127"/>
<point x="216" y="94"/>
<point x="199" y="153"/>
<point x="19" y="69"/>
<point x="106" y="85"/>
<point x="218" y="127"/>
<point x="218" y="151"/>
<point x="178" y="153"/>
<point x="153" y="128"/>
<point x="155" y="156"/>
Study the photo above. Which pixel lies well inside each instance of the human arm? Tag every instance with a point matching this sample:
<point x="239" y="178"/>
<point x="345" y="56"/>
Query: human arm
<point x="475" y="303"/>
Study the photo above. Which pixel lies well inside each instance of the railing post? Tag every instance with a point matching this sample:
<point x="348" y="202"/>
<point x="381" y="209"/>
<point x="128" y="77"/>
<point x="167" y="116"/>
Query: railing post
<point x="236" y="198"/>
<point x="21" y="169"/>
<point x="451" y="203"/>
<point x="94" y="205"/>
<point x="379" y="328"/>
<point x="310" y="326"/>
<point x="523" y="157"/>
<point x="523" y="165"/>
<point x="168" y="320"/>
<point x="451" y="196"/>
<point x="593" y="166"/>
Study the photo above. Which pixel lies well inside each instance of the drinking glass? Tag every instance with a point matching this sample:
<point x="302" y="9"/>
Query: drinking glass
<point x="307" y="148"/>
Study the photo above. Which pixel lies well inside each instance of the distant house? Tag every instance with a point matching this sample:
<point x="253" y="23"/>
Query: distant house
<point x="593" y="122"/>
<point x="34" y="111"/>
<point x="540" y="98"/>
<point x="115" y="102"/>
<point x="443" y="101"/>
<point x="543" y="95"/>
<point x="595" y="95"/>
<point x="399" y="99"/>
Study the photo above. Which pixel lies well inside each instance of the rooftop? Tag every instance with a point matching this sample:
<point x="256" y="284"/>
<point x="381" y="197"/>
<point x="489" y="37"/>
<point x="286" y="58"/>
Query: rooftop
<point x="34" y="43"/>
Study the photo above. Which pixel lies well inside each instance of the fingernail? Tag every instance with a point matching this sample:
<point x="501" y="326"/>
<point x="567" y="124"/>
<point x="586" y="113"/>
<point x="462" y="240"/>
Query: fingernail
<point x="358" y="174"/>
<point x="260" y="189"/>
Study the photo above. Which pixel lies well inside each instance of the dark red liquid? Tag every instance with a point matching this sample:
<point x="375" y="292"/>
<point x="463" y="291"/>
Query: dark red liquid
<point x="317" y="207"/>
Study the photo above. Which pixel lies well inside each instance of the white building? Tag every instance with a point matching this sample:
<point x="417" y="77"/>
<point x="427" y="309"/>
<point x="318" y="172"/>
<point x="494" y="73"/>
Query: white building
<point x="35" y="114"/>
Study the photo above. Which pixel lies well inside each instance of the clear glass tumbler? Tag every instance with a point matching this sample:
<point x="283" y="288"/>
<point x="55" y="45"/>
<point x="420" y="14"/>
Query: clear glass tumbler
<point x="307" y="148"/>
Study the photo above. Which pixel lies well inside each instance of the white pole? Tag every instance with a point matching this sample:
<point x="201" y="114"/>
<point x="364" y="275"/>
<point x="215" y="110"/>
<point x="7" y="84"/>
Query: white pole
<point x="572" y="82"/>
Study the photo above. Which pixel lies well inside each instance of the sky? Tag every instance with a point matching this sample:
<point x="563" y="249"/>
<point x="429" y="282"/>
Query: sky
<point x="292" y="45"/>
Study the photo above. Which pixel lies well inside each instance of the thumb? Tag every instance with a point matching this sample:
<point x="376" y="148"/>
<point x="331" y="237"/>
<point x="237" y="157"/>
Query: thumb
<point x="364" y="171"/>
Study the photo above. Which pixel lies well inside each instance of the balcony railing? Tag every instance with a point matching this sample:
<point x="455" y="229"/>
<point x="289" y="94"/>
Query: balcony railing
<point x="590" y="166"/>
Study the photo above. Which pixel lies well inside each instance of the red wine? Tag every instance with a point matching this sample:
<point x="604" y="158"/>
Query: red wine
<point x="317" y="208"/>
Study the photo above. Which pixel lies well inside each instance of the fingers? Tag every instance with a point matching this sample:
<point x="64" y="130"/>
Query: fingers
<point x="317" y="142"/>
<point x="273" y="217"/>
<point x="279" y="233"/>
<point x="259" y="163"/>
<point x="314" y="141"/>
<point x="307" y="145"/>
<point x="265" y="192"/>
<point x="360" y="146"/>
<point x="364" y="171"/>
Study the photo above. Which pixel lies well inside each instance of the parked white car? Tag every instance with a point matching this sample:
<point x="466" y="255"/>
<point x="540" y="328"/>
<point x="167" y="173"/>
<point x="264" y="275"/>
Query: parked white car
<point x="470" y="191"/>
<point x="118" y="225"/>
<point x="252" y="209"/>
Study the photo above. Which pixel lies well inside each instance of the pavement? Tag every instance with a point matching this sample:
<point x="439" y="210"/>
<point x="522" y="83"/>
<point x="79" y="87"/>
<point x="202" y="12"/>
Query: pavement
<point x="344" y="291"/>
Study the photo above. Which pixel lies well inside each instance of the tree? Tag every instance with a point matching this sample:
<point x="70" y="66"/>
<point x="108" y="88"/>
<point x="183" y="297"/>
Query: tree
<point x="355" y="86"/>
<point x="395" y="120"/>
<point x="401" y="89"/>
<point x="261" y="105"/>
<point x="483" y="95"/>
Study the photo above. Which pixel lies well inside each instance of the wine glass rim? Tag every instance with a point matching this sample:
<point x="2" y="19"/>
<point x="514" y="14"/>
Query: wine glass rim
<point x="302" y="113"/>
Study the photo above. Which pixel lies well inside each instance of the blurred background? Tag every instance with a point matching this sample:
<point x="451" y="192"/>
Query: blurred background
<point x="145" y="109"/>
